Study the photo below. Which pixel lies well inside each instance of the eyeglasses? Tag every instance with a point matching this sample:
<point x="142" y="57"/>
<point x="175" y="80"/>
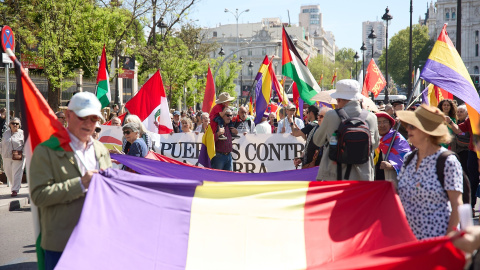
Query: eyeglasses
<point x="61" y="117"/>
<point x="98" y="130"/>
<point x="127" y="132"/>
<point x="92" y="118"/>
<point x="229" y="115"/>
<point x="15" y="124"/>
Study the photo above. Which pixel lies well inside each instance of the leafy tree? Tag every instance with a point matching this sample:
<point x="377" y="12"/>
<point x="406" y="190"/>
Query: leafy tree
<point x="398" y="50"/>
<point x="344" y="66"/>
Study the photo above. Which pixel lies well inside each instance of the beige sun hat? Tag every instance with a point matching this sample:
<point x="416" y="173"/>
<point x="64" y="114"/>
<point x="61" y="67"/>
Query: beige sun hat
<point x="224" y="97"/>
<point x="426" y="118"/>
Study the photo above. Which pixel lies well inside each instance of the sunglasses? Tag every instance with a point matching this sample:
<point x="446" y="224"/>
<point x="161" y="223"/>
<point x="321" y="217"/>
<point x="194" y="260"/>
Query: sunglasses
<point x="229" y="115"/>
<point x="15" y="124"/>
<point x="127" y="132"/>
<point x="98" y="130"/>
<point x="92" y="118"/>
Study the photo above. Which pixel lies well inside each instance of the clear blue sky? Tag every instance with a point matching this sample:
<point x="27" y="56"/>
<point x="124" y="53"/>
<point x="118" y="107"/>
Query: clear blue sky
<point x="343" y="17"/>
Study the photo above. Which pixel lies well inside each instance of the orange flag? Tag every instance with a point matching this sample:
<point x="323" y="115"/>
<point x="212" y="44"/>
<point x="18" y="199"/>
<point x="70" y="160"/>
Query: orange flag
<point x="334" y="77"/>
<point x="374" y="80"/>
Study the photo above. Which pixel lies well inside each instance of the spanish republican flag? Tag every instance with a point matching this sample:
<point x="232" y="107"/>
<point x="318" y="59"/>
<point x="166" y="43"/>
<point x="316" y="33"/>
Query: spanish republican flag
<point x="209" y="98"/>
<point x="294" y="67"/>
<point x="103" y="87"/>
<point x="445" y="68"/>
<point x="150" y="104"/>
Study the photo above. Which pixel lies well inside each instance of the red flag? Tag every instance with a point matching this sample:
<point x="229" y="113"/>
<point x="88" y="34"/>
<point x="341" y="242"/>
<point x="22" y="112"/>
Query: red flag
<point x="209" y="98"/>
<point x="150" y="105"/>
<point x="334" y="77"/>
<point x="374" y="80"/>
<point x="121" y="116"/>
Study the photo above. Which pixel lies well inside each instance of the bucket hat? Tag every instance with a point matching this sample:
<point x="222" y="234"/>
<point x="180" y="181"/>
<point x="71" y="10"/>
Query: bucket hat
<point x="224" y="97"/>
<point x="347" y="89"/>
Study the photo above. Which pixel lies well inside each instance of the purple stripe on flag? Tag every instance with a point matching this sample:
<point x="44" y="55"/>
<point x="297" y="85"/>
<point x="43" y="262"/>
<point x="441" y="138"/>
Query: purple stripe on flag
<point x="450" y="80"/>
<point x="300" y="107"/>
<point x="260" y="108"/>
<point x="154" y="234"/>
<point x="425" y="96"/>
<point x="165" y="169"/>
<point x="203" y="157"/>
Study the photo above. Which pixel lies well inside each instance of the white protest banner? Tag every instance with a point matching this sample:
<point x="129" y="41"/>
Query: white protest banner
<point x="251" y="153"/>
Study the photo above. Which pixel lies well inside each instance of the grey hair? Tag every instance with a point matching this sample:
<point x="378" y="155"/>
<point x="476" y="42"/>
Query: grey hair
<point x="206" y="114"/>
<point x="463" y="106"/>
<point x="133" y="126"/>
<point x="17" y="120"/>
<point x="132" y="118"/>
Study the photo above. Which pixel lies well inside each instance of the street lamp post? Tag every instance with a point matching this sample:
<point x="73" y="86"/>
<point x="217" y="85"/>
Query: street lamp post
<point x="372" y="38"/>
<point x="237" y="15"/>
<point x="356" y="60"/>
<point x="363" y="49"/>
<point x="387" y="18"/>
<point x="241" y="76"/>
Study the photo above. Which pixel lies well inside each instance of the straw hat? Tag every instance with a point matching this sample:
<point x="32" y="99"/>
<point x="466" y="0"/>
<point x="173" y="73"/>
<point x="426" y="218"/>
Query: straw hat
<point x="386" y="115"/>
<point x="224" y="97"/>
<point x="348" y="90"/>
<point x="426" y="118"/>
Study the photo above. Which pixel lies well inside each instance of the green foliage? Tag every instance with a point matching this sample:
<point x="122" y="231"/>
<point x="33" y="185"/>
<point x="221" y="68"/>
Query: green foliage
<point x="398" y="51"/>
<point x="344" y="65"/>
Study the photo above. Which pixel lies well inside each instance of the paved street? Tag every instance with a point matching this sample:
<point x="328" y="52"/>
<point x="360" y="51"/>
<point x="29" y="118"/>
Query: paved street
<point x="17" y="249"/>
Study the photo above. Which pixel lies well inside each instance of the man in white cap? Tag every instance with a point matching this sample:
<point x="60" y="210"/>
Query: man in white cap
<point x="60" y="179"/>
<point x="348" y="98"/>
<point x="285" y="125"/>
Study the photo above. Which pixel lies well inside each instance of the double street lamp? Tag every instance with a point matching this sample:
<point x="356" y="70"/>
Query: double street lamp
<point x="387" y="18"/>
<point x="237" y="15"/>
<point x="372" y="38"/>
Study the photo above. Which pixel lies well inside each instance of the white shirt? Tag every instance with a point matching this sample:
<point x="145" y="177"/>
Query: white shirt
<point x="263" y="128"/>
<point x="288" y="129"/>
<point x="85" y="156"/>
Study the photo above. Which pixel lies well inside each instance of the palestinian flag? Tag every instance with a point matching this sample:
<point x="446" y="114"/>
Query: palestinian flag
<point x="40" y="126"/>
<point x="294" y="67"/>
<point x="151" y="106"/>
<point x="103" y="87"/>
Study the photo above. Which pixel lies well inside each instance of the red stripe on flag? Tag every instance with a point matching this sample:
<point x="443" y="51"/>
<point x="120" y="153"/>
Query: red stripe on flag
<point x="334" y="228"/>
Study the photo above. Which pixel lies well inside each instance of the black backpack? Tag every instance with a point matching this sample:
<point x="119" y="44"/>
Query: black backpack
<point x="441" y="173"/>
<point x="353" y="142"/>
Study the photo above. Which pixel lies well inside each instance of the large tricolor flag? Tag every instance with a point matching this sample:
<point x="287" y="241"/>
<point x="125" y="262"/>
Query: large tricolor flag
<point x="294" y="67"/>
<point x="445" y="69"/>
<point x="278" y="87"/>
<point x="180" y="221"/>
<point x="150" y="105"/>
<point x="209" y="98"/>
<point x="434" y="94"/>
<point x="40" y="126"/>
<point x="103" y="86"/>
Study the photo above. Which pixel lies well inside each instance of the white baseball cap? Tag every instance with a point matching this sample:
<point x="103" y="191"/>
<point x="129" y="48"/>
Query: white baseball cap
<point x="85" y="104"/>
<point x="347" y="89"/>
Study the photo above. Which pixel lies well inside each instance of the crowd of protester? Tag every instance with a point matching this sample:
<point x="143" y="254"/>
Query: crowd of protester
<point x="425" y="136"/>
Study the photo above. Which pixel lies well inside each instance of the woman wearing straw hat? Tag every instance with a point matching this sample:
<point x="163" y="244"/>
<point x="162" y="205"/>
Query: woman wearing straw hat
<point x="431" y="210"/>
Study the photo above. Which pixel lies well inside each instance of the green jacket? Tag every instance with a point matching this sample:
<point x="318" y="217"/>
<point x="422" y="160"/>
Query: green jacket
<point x="55" y="189"/>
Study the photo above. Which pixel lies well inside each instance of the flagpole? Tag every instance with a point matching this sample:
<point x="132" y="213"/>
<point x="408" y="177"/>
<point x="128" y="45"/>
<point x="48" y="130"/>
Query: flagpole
<point x="410" y="103"/>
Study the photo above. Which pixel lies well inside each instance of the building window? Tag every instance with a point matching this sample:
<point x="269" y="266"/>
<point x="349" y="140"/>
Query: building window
<point x="249" y="52"/>
<point x="476" y="70"/>
<point x="314" y="21"/>
<point x="476" y="36"/>
<point x="264" y="51"/>
<point x="214" y="33"/>
<point x="447" y="14"/>
<point x="476" y="49"/>
<point x="314" y="16"/>
<point x="453" y="15"/>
